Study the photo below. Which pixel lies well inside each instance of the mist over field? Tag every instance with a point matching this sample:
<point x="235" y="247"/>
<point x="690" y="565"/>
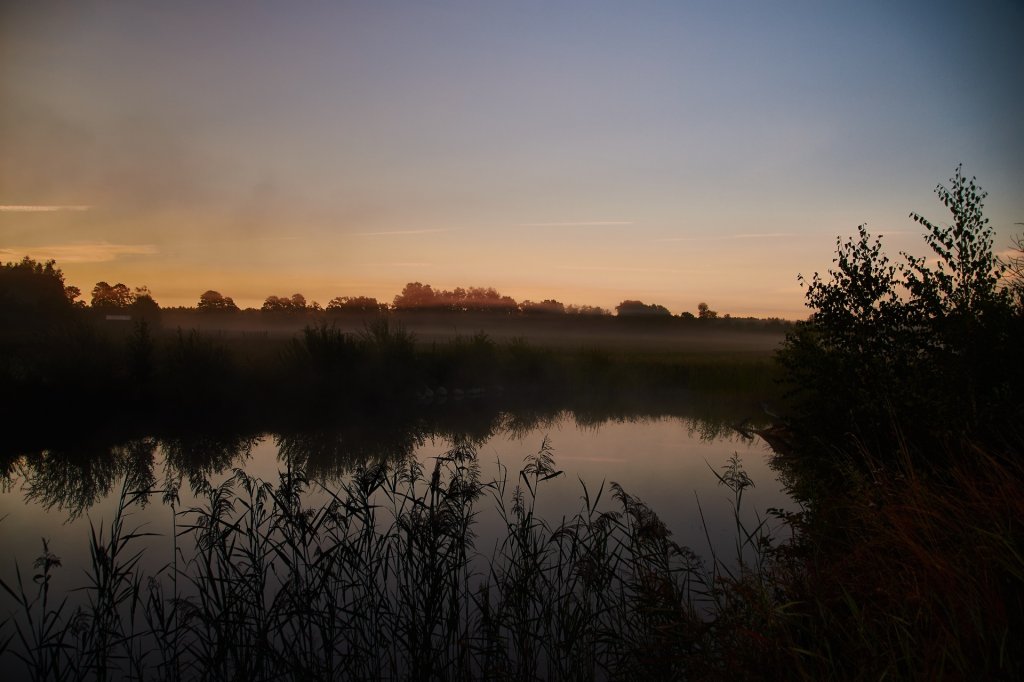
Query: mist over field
<point x="605" y="333"/>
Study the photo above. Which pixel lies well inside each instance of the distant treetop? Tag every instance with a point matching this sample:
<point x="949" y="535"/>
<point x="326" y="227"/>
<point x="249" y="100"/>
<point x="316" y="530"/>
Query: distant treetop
<point x="704" y="312"/>
<point x="356" y="304"/>
<point x="29" y="289"/>
<point x="638" y="308"/>
<point x="215" y="302"/>
<point x="548" y="306"/>
<point x="417" y="296"/>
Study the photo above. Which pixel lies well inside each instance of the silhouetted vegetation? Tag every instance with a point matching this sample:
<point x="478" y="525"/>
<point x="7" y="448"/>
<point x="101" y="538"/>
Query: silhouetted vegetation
<point x="384" y="581"/>
<point x="924" y="352"/>
<point x="125" y="349"/>
<point x="904" y="440"/>
<point x="213" y="302"/>
<point x="901" y="438"/>
<point x="361" y="305"/>
<point x="1014" y="272"/>
<point x="628" y="308"/>
<point x="33" y="296"/>
<point x="423" y="297"/>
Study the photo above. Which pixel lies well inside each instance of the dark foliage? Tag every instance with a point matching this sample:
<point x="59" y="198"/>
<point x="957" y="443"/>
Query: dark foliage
<point x="628" y="308"/>
<point x="923" y="351"/>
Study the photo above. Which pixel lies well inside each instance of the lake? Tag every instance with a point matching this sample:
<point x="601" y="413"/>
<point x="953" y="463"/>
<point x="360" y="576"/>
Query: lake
<point x="666" y="460"/>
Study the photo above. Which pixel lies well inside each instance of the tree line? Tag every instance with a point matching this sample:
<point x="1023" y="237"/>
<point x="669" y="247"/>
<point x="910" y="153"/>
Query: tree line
<point x="27" y="285"/>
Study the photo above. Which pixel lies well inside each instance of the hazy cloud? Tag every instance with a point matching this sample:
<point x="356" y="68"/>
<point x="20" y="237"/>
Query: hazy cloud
<point x="80" y="253"/>
<point x="603" y="268"/>
<point x="587" y="223"/>
<point x="398" y="264"/>
<point x="35" y="208"/>
<point x="751" y="235"/>
<point x="399" y="232"/>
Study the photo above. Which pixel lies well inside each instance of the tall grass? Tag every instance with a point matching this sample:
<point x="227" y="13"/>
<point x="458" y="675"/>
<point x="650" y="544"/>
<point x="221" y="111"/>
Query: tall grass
<point x="907" y="575"/>
<point x="914" y="573"/>
<point x="380" y="580"/>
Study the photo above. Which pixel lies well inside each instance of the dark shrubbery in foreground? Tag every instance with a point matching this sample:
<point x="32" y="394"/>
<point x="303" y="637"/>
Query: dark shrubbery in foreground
<point x="384" y="581"/>
<point x="917" y="355"/>
<point x="905" y="442"/>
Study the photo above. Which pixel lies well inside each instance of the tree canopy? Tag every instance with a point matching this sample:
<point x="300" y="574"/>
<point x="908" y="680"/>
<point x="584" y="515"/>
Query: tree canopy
<point x="30" y="290"/>
<point x="704" y="312"/>
<point x="423" y="297"/>
<point x="285" y="304"/>
<point x="922" y="346"/>
<point x="111" y="297"/>
<point x="635" y="308"/>
<point x="356" y="304"/>
<point x="215" y="302"/>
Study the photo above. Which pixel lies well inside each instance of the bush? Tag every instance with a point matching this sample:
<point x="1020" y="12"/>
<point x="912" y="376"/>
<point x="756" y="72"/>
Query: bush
<point x="909" y="350"/>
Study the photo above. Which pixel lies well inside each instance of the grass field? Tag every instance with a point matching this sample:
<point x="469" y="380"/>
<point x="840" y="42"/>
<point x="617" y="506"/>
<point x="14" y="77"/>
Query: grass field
<point x="602" y="332"/>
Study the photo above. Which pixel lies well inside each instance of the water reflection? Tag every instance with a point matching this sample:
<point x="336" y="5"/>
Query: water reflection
<point x="376" y="544"/>
<point x="197" y="456"/>
<point x="73" y="477"/>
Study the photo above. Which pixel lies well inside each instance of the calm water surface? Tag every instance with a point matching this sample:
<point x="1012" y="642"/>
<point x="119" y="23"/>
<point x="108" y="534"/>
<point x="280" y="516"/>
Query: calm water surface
<point x="665" y="461"/>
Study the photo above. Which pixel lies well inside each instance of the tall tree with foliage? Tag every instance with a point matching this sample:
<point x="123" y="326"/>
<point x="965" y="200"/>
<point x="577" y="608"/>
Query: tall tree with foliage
<point x="33" y="294"/>
<point x="215" y="302"/>
<point x="919" y="350"/>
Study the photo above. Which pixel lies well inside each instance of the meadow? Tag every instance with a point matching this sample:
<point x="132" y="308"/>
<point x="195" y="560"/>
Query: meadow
<point x="150" y="377"/>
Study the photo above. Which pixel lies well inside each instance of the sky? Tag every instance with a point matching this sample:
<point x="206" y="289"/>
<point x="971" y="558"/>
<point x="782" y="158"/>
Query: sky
<point x="591" y="152"/>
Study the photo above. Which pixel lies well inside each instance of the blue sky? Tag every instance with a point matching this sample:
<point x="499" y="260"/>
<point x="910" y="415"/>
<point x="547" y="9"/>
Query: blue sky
<point x="673" y="152"/>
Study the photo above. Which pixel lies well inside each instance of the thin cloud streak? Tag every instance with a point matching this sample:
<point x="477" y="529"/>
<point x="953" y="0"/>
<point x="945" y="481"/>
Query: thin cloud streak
<point x="602" y="268"/>
<point x="397" y="264"/>
<point x="80" y="253"/>
<point x="398" y="232"/>
<point x="589" y="223"/>
<point x="730" y="237"/>
<point x="34" y="208"/>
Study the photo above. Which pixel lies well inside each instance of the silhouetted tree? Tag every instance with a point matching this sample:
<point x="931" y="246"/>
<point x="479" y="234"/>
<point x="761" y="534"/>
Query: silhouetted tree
<point x="546" y="307"/>
<point x="487" y="300"/>
<point x="113" y="297"/>
<point x="704" y="312"/>
<point x="415" y="296"/>
<point x="638" y="308"/>
<point x="285" y="304"/>
<point x="72" y="292"/>
<point x="143" y="306"/>
<point x="355" y="304"/>
<point x="586" y="310"/>
<point x="214" y="302"/>
<point x="911" y="348"/>
<point x="1014" y="272"/>
<point x="32" y="291"/>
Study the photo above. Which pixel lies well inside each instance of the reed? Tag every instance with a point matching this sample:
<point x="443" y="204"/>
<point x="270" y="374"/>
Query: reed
<point x="921" y="575"/>
<point x="381" y="579"/>
<point x="909" y="573"/>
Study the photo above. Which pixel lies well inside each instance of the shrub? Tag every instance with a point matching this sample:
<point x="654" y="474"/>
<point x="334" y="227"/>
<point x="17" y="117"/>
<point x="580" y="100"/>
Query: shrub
<point x="909" y="350"/>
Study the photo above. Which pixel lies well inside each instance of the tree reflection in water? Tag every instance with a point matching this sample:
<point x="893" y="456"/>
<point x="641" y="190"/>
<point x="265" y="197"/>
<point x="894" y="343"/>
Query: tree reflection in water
<point x="74" y="476"/>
